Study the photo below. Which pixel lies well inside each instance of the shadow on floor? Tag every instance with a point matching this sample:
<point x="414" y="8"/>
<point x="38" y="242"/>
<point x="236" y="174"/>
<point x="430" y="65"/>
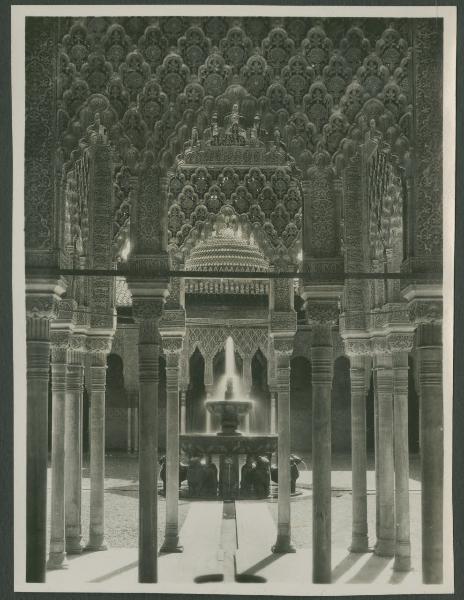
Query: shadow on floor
<point x="112" y="574"/>
<point x="369" y="572"/>
<point x="345" y="565"/>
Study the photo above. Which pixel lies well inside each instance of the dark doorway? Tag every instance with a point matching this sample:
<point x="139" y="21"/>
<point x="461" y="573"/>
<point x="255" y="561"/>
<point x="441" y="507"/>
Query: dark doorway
<point x="413" y="410"/>
<point x="341" y="406"/>
<point x="196" y="393"/>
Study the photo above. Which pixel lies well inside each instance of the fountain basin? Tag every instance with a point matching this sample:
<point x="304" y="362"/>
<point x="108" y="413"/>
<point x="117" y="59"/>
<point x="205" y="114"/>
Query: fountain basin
<point x="199" y="444"/>
<point x="229" y="412"/>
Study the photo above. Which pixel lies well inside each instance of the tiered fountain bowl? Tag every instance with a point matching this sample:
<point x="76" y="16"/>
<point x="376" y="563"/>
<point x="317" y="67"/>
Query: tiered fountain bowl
<point x="228" y="440"/>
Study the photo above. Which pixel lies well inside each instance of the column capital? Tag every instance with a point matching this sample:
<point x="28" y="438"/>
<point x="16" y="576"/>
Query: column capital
<point x="283" y="346"/>
<point x="426" y="310"/>
<point x="43" y="297"/>
<point x="59" y="340"/>
<point x="77" y="342"/>
<point x="322" y="312"/>
<point x="148" y="309"/>
<point x="96" y="344"/>
<point x="357" y="347"/>
<point x="172" y="345"/>
<point x="400" y="341"/>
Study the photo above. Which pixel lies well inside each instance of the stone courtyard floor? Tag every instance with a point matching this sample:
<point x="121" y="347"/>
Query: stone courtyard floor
<point x="255" y="523"/>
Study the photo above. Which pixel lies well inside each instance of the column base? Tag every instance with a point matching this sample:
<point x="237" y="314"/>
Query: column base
<point x="385" y="548"/>
<point x="402" y="563"/>
<point x="97" y="544"/>
<point x="57" y="560"/>
<point x="74" y="546"/>
<point x="171" y="545"/>
<point x="402" y="556"/>
<point x="359" y="544"/>
<point x="283" y="545"/>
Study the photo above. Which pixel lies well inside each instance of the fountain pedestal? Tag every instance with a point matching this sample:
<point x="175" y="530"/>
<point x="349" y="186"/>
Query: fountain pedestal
<point x="229" y="483"/>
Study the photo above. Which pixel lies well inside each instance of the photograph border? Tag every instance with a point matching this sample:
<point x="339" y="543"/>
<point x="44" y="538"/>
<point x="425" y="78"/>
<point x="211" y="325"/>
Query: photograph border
<point x="19" y="350"/>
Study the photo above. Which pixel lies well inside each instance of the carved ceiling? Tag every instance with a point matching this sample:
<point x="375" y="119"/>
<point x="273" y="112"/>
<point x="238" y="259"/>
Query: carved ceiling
<point x="309" y="85"/>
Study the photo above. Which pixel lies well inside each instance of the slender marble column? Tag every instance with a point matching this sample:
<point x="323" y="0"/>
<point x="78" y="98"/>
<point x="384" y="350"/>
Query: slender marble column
<point x="359" y="540"/>
<point x="38" y="361"/>
<point x="183" y="412"/>
<point x="148" y="313"/>
<point x="401" y="455"/>
<point x="283" y="348"/>
<point x="429" y="358"/>
<point x="209" y="426"/>
<point x="385" y="545"/>
<point x="172" y="348"/>
<point x="99" y="348"/>
<point x="73" y="449"/>
<point x="57" y="553"/>
<point x="322" y="375"/>
<point x="273" y="424"/>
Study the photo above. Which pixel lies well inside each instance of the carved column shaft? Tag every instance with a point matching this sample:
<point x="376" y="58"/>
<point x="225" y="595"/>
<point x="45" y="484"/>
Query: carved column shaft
<point x="183" y="412"/>
<point x="99" y="348"/>
<point x="322" y="375"/>
<point x="283" y="543"/>
<point x="358" y="369"/>
<point x="429" y="358"/>
<point x="171" y="540"/>
<point x="383" y="382"/>
<point x="401" y="454"/>
<point x="38" y="360"/>
<point x="57" y="554"/>
<point x="209" y="382"/>
<point x="148" y="441"/>
<point x="273" y="416"/>
<point x="73" y="449"/>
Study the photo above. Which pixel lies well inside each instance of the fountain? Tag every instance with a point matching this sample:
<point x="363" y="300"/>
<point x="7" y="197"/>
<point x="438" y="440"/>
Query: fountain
<point x="229" y="443"/>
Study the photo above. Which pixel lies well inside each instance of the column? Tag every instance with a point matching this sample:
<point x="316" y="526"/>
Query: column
<point x="98" y="347"/>
<point x="209" y="425"/>
<point x="429" y="356"/>
<point x="322" y="374"/>
<point x="73" y="448"/>
<point x="38" y="361"/>
<point x="401" y="457"/>
<point x="172" y="348"/>
<point x="148" y="313"/>
<point x="283" y="348"/>
<point x="247" y="384"/>
<point x="209" y="384"/>
<point x="358" y="378"/>
<point x="273" y="423"/>
<point x="383" y="386"/>
<point x="183" y="412"/>
<point x="59" y="350"/>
